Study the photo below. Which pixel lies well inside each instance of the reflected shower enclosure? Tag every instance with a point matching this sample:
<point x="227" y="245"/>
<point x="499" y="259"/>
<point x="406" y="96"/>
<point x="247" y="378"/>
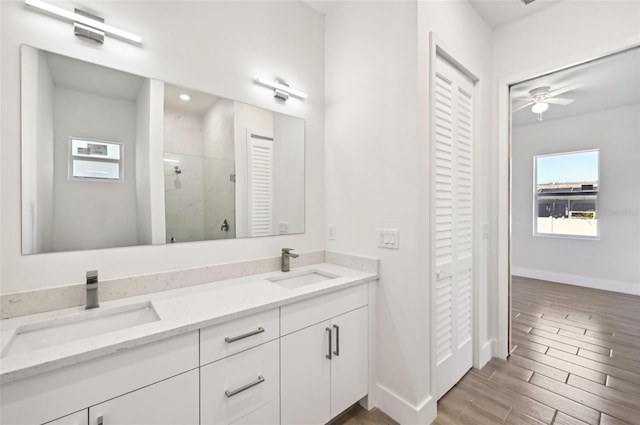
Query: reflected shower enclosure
<point x="199" y="166"/>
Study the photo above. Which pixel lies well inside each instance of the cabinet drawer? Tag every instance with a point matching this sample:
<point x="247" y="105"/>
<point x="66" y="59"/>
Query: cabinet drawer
<point x="41" y="398"/>
<point x="225" y="339"/>
<point x="266" y="415"/>
<point x="173" y="401"/>
<point x="314" y="310"/>
<point x="237" y="385"/>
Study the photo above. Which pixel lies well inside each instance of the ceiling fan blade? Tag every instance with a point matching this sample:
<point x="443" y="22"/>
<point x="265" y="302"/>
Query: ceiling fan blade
<point x="559" y="101"/>
<point x="517" y="108"/>
<point x="565" y="89"/>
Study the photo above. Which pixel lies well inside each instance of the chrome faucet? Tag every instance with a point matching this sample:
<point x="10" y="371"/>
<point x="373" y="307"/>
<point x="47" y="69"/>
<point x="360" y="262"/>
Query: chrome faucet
<point x="92" y="289"/>
<point x="286" y="255"/>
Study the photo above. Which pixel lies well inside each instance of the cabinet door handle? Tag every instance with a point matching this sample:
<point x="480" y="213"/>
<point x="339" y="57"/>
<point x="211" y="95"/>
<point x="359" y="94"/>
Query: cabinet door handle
<point x="329" y="355"/>
<point x="231" y="339"/>
<point x="231" y="393"/>
<point x="337" y="352"/>
<point x="100" y="420"/>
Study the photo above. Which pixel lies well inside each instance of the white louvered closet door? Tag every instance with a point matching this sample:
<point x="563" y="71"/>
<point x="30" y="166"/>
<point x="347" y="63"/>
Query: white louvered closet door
<point x="260" y="184"/>
<point x="452" y="215"/>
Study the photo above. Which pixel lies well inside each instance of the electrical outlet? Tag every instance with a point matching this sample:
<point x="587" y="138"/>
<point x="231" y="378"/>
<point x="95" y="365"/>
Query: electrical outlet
<point x="389" y="238"/>
<point x="332" y="232"/>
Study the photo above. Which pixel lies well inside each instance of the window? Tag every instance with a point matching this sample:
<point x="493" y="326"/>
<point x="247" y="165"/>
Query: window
<point x="566" y="194"/>
<point x="95" y="160"/>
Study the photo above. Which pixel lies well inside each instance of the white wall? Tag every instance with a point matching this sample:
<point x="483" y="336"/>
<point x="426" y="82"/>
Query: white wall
<point x="92" y="213"/>
<point x="288" y="173"/>
<point x="38" y="189"/>
<point x="611" y="261"/>
<point x="216" y="47"/>
<point x="142" y="171"/>
<point x="377" y="65"/>
<point x="521" y="51"/>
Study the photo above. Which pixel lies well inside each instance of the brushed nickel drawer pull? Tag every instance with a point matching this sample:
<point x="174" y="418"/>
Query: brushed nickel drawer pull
<point x="244" y="387"/>
<point x="231" y="339"/>
<point x="337" y="351"/>
<point x="328" y="355"/>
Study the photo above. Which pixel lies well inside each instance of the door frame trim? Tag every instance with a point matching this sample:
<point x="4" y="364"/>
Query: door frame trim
<point x="503" y="254"/>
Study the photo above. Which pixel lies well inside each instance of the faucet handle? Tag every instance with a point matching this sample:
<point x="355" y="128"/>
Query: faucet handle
<point x="92" y="276"/>
<point x="287" y="250"/>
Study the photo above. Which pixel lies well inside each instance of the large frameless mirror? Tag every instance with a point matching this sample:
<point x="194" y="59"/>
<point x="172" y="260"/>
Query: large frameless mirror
<point x="112" y="159"/>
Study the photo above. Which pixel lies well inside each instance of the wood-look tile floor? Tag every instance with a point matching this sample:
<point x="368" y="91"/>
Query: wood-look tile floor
<point x="576" y="361"/>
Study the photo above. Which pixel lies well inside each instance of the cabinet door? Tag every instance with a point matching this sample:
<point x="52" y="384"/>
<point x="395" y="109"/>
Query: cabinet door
<point x="78" y="418"/>
<point x="173" y="401"/>
<point x="305" y="376"/>
<point x="350" y="363"/>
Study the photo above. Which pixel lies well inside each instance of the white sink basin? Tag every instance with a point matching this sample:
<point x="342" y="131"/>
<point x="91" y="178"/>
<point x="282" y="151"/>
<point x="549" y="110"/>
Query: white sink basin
<point x="293" y="280"/>
<point x="79" y="326"/>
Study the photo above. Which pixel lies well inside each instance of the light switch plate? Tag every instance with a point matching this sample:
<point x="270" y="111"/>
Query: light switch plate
<point x="389" y="238"/>
<point x="332" y="232"/>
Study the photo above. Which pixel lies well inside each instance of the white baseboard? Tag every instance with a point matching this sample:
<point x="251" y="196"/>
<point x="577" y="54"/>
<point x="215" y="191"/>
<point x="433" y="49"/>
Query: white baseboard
<point x="499" y="348"/>
<point x="486" y="353"/>
<point x="577" y="280"/>
<point x="404" y="412"/>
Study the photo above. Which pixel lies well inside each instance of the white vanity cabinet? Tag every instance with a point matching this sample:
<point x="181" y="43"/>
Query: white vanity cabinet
<point x="78" y="418"/>
<point x="299" y="363"/>
<point x="173" y="401"/>
<point x="324" y="367"/>
<point x="55" y="394"/>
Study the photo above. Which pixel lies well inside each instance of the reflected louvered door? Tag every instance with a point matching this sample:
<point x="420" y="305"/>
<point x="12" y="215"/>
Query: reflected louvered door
<point x="260" y="185"/>
<point x="452" y="217"/>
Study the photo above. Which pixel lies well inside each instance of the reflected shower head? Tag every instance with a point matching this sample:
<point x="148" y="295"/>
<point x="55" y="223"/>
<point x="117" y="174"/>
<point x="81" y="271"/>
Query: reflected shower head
<point x="177" y="170"/>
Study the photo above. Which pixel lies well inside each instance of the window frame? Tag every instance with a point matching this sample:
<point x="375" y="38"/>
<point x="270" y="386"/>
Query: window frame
<point x="535" y="217"/>
<point x="73" y="156"/>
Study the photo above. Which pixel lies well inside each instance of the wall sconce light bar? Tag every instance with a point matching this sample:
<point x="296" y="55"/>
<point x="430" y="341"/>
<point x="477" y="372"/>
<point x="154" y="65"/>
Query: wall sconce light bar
<point x="78" y="18"/>
<point x="281" y="90"/>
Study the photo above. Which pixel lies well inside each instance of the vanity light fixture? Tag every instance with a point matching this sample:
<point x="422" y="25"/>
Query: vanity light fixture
<point x="281" y="89"/>
<point x="185" y="97"/>
<point x="85" y="24"/>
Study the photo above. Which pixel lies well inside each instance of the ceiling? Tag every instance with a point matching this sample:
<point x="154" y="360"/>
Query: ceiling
<point x="198" y="104"/>
<point x="86" y="77"/>
<point x="499" y="12"/>
<point x="494" y="12"/>
<point x="609" y="83"/>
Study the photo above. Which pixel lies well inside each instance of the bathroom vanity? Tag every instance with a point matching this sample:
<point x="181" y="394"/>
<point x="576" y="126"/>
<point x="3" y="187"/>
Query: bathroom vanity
<point x="276" y="348"/>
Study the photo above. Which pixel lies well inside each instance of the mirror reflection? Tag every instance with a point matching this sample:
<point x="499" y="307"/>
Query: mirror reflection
<point x="111" y="159"/>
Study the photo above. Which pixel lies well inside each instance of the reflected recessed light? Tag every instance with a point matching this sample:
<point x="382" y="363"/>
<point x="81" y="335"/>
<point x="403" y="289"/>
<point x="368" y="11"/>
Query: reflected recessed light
<point x="185" y="97"/>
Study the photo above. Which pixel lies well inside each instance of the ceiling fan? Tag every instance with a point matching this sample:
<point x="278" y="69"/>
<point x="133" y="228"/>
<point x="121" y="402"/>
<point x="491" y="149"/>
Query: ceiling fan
<point x="541" y="97"/>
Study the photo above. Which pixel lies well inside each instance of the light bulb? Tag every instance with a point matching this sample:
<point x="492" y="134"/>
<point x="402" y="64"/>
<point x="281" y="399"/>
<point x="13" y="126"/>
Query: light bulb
<point x="185" y="97"/>
<point x="539" y="107"/>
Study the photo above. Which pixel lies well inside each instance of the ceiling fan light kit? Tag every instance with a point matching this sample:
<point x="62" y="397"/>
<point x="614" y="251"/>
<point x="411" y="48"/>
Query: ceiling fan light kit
<point x="539" y="107"/>
<point x="541" y="97"/>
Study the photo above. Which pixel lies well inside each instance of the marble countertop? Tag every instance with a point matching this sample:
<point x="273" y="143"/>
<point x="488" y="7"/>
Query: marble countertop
<point x="180" y="311"/>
